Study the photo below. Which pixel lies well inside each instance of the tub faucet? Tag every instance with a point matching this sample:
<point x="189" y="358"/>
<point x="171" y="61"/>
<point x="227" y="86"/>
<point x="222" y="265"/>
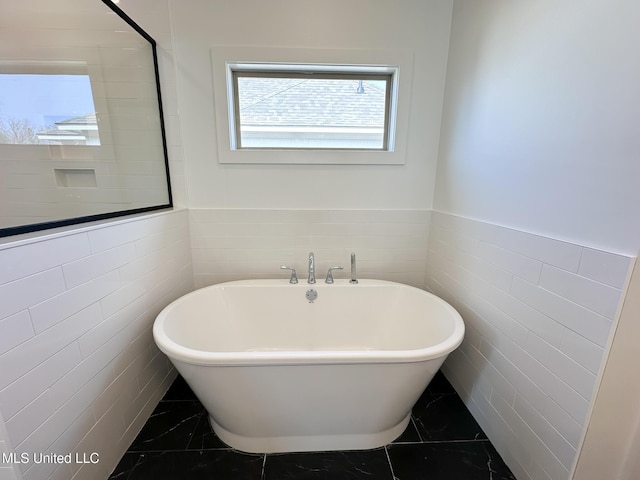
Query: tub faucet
<point x="312" y="268"/>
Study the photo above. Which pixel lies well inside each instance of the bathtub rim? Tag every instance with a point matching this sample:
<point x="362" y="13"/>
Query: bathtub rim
<point x="301" y="357"/>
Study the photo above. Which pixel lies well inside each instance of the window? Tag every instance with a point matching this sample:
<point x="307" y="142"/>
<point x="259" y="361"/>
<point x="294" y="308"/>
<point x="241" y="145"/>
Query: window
<point x="278" y="105"/>
<point x="311" y="109"/>
<point x="50" y="109"/>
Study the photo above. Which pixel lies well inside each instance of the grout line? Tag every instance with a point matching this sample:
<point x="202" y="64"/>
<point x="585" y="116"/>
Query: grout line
<point x="413" y="422"/>
<point x="386" y="451"/>
<point x="264" y="463"/>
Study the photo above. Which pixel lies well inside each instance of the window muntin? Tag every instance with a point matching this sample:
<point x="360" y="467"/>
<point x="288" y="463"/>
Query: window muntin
<point x="311" y="109"/>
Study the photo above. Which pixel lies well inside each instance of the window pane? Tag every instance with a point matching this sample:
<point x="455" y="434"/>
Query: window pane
<point x="47" y="109"/>
<point x="300" y="112"/>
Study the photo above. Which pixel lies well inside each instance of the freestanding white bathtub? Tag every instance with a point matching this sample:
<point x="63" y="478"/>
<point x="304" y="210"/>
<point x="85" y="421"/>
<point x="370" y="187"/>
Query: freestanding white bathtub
<point x="278" y="373"/>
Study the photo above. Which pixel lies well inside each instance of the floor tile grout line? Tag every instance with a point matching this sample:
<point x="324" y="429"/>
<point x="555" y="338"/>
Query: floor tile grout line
<point x="174" y="450"/>
<point x="413" y="422"/>
<point x="264" y="463"/>
<point x="393" y="474"/>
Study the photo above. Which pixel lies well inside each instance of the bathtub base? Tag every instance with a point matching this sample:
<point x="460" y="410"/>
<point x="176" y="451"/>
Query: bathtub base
<point x="310" y="443"/>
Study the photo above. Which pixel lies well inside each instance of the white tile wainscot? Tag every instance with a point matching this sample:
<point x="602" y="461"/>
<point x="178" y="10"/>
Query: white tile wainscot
<point x="235" y="244"/>
<point x="79" y="371"/>
<point x="538" y="313"/>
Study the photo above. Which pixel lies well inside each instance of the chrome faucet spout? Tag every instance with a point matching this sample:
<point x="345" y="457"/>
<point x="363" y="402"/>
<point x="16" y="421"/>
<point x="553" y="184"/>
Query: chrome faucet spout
<point x="312" y="269"/>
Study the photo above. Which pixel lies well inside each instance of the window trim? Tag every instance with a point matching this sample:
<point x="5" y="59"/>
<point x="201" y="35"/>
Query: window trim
<point x="394" y="62"/>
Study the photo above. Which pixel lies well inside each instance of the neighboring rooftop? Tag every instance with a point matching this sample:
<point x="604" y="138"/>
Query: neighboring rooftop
<point x="310" y="102"/>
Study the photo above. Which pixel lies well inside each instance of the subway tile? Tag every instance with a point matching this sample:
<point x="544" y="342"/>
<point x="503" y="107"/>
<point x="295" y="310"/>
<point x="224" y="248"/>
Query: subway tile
<point x="540" y="324"/>
<point x="527" y="437"/>
<point x="568" y="370"/>
<point x="519" y="265"/>
<point x="28" y="291"/>
<point x="27" y="420"/>
<point x="556" y="443"/>
<point x="160" y="241"/>
<point x="14" y="330"/>
<point x="54" y="310"/>
<point x="144" y="264"/>
<point x="119" y="389"/>
<point x="47" y="431"/>
<point x="64" y="443"/>
<point x="593" y="295"/>
<point x="569" y="427"/>
<point x="88" y="369"/>
<point x="585" y="322"/>
<point x="608" y="268"/>
<point x="548" y="250"/>
<point x="67" y="319"/>
<point x="497" y="383"/>
<point x="39" y="348"/>
<point x="564" y="295"/>
<point x="562" y="393"/>
<point x="25" y="260"/>
<point x="511" y="449"/>
<point x="385" y="245"/>
<point x="8" y="473"/>
<point x="121" y="298"/>
<point x="535" y="247"/>
<point x="583" y="351"/>
<point x="36" y="381"/>
<point x="488" y="273"/>
<point x="104" y="331"/>
<point x="116" y="235"/>
<point x="92" y="266"/>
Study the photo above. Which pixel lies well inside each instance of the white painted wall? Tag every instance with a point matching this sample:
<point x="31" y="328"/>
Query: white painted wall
<point x="540" y="124"/>
<point x="421" y="26"/>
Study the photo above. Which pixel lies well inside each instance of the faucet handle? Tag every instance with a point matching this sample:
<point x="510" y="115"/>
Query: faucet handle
<point x="294" y="277"/>
<point x="329" y="278"/>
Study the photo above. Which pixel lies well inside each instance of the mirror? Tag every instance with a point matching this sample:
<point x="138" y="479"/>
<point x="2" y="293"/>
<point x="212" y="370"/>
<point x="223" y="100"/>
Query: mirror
<point x="81" y="126"/>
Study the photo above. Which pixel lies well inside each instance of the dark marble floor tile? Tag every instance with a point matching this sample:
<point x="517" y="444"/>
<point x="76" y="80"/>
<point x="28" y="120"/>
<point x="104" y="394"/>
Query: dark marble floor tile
<point x="439" y="384"/>
<point x="198" y="465"/>
<point x="125" y="467"/>
<point x="410" y="434"/>
<point x="352" y="465"/>
<point x="444" y="417"/>
<point x="179" y="390"/>
<point x="448" y="460"/>
<point x="170" y="427"/>
<point x="204" y="438"/>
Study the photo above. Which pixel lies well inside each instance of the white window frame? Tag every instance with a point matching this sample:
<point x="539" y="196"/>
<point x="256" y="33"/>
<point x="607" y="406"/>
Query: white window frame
<point x="398" y="63"/>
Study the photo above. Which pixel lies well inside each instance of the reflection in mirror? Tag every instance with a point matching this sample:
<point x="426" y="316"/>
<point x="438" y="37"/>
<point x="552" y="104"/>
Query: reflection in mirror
<point x="81" y="131"/>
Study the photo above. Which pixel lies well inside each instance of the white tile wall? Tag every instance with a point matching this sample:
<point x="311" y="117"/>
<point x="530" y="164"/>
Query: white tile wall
<point x="232" y="244"/>
<point x="79" y="371"/>
<point x="76" y="311"/>
<point x="538" y="313"/>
